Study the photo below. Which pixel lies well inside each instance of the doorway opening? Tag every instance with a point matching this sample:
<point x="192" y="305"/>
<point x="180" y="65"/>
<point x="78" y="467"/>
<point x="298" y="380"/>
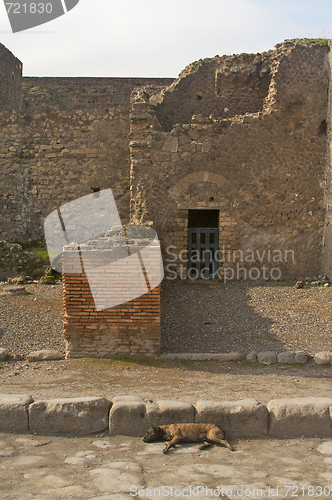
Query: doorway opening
<point x="203" y="243"/>
<point x="203" y="218"/>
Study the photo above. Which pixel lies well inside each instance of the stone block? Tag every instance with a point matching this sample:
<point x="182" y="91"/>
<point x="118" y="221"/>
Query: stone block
<point x="125" y="399"/>
<point x="171" y="144"/>
<point x="194" y="134"/>
<point x="322" y="358"/>
<point x="140" y="106"/>
<point x="3" y="354"/>
<point x="228" y="356"/>
<point x="286" y="357"/>
<point x="297" y="417"/>
<point x="243" y="418"/>
<point x="165" y="412"/>
<point x="14" y="412"/>
<point x="252" y="357"/>
<point x="127" y="418"/>
<point x="266" y="357"/>
<point x="301" y="357"/>
<point x="72" y="416"/>
<point x="45" y="355"/>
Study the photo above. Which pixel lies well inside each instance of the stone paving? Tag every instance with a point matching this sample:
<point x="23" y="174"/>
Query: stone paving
<point x="100" y="467"/>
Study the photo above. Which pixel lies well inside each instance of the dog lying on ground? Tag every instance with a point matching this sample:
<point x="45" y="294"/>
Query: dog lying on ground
<point x="187" y="433"/>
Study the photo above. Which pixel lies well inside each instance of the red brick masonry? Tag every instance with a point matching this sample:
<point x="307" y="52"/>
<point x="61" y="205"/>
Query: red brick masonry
<point x="129" y="328"/>
<point x="99" y="279"/>
<point x="132" y="328"/>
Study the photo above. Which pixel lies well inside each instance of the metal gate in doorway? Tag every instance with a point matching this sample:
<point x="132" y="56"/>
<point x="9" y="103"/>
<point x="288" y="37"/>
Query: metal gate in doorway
<point x="202" y="253"/>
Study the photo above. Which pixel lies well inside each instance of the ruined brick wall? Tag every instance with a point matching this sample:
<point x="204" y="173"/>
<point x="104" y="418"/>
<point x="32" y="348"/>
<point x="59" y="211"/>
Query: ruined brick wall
<point x="127" y="330"/>
<point x="10" y="80"/>
<point x="222" y="86"/>
<point x="264" y="171"/>
<point x="70" y="137"/>
<point x="93" y="329"/>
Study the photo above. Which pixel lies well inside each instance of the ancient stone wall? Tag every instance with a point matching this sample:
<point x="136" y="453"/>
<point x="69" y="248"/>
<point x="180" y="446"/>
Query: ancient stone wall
<point x="246" y="135"/>
<point x="263" y="171"/>
<point x="10" y="80"/>
<point x="327" y="239"/>
<point x="221" y="86"/>
<point x="70" y="139"/>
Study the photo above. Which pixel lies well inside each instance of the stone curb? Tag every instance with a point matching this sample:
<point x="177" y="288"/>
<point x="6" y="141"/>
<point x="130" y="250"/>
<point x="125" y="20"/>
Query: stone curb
<point x="45" y="355"/>
<point x="14" y="413"/>
<point x="132" y="416"/>
<point x="244" y="418"/>
<point x="300" y="417"/>
<point x="79" y="416"/>
<point x="265" y="357"/>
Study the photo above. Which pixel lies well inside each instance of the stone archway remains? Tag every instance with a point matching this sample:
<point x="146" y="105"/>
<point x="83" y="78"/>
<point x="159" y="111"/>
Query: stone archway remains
<point x="228" y="243"/>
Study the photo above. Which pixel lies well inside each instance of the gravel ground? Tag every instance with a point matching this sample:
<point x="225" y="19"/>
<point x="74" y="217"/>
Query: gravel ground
<point x="213" y="317"/>
<point x="196" y="317"/>
<point x="33" y="321"/>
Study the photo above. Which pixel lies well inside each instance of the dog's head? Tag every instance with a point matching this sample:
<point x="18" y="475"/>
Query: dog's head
<point x="155" y="433"/>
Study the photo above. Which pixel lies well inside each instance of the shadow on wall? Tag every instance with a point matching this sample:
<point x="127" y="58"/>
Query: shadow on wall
<point x="198" y="316"/>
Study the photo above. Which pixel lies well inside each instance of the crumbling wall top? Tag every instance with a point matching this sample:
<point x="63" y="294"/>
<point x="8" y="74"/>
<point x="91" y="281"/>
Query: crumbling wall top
<point x="248" y="83"/>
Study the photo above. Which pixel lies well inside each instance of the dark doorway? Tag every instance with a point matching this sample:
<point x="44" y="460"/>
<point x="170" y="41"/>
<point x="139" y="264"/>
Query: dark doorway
<point x="203" y="239"/>
<point x="203" y="218"/>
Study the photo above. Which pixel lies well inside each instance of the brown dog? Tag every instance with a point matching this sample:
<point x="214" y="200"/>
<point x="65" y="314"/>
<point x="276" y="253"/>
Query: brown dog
<point x="187" y="433"/>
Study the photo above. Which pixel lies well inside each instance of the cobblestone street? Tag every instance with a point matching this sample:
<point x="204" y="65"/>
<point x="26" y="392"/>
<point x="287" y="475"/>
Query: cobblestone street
<point x="103" y="468"/>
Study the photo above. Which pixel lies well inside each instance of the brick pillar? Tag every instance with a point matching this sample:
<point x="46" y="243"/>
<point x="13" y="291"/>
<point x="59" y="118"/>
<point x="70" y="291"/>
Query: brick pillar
<point x="130" y="328"/>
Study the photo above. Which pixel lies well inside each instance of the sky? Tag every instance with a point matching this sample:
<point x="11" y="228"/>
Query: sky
<point x="158" y="38"/>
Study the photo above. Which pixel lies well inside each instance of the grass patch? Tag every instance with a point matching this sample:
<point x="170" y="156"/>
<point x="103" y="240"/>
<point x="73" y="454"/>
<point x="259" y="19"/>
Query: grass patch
<point x="25" y="246"/>
<point x="317" y="41"/>
<point x="41" y="253"/>
<point x="34" y="247"/>
<point x="119" y="362"/>
<point x="36" y="91"/>
<point x="53" y="94"/>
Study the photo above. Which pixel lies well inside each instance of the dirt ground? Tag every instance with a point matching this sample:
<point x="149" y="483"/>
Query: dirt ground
<point x="157" y="379"/>
<point x="103" y="467"/>
<point x="207" y="316"/>
<point x="198" y="318"/>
